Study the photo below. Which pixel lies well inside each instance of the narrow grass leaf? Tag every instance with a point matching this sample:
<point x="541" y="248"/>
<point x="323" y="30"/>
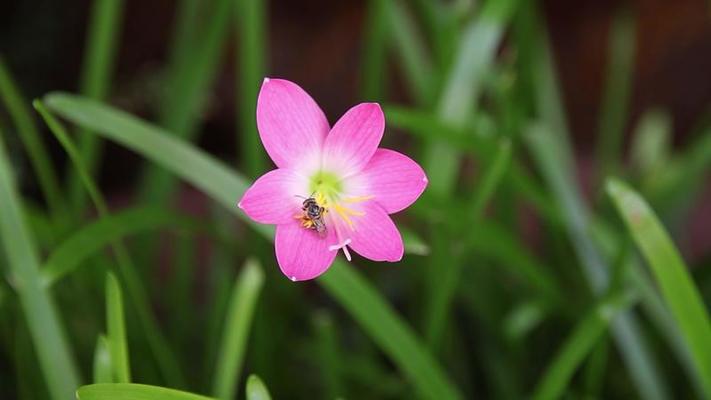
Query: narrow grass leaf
<point x="164" y="357"/>
<point x="100" y="51"/>
<point x="97" y="235"/>
<point x="670" y="273"/>
<point x="133" y="391"/>
<point x="55" y="357"/>
<point x="116" y="328"/>
<point x="251" y="30"/>
<point x="330" y="357"/>
<point x="102" y="369"/>
<point x="238" y="321"/>
<point x="256" y="390"/>
<point x="353" y="292"/>
<point x="187" y="90"/>
<point x="613" y="114"/>
<point x="577" y="347"/>
<point x="553" y="158"/>
<point x="19" y="112"/>
<point x="440" y="303"/>
<point x="373" y="69"/>
<point x="463" y="86"/>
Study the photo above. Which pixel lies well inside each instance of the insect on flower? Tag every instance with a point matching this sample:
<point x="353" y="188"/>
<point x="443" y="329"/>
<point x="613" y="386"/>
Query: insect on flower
<point x="354" y="186"/>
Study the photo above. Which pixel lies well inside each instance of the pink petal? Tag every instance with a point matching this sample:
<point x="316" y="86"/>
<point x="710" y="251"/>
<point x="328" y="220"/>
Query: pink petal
<point x="353" y="140"/>
<point x="272" y="198"/>
<point x="375" y="236"/>
<point x="393" y="179"/>
<point x="290" y="122"/>
<point x="301" y="253"/>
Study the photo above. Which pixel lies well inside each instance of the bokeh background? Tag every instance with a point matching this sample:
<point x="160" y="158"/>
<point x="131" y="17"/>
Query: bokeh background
<point x="634" y="82"/>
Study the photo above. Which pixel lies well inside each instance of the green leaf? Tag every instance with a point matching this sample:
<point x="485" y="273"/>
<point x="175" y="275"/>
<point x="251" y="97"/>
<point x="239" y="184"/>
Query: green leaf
<point x="55" y="357"/>
<point x="670" y="272"/>
<point x="133" y="391"/>
<point x="356" y="295"/>
<point x="191" y="74"/>
<point x="613" y="115"/>
<point x="579" y="344"/>
<point x="251" y="44"/>
<point x="236" y="330"/>
<point x="476" y="52"/>
<point x="19" y="112"/>
<point x="137" y="294"/>
<point x="256" y="390"/>
<point x="552" y="156"/>
<point x="103" y="371"/>
<point x="95" y="236"/>
<point x="115" y="321"/>
<point x="101" y="47"/>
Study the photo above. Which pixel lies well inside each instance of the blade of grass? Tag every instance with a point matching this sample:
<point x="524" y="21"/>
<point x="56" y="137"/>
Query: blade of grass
<point x="577" y="347"/>
<point x="436" y="312"/>
<point x="555" y="163"/>
<point x="329" y="355"/>
<point x="31" y="139"/>
<point x="103" y="372"/>
<point x="670" y="273"/>
<point x="116" y="328"/>
<point x="476" y="52"/>
<point x="373" y="69"/>
<point x="55" y="357"/>
<point x="251" y="21"/>
<point x="133" y="391"/>
<point x="236" y="330"/>
<point x="256" y="390"/>
<point x="413" y="55"/>
<point x="100" y="51"/>
<point x="353" y="292"/>
<point x="613" y="114"/>
<point x="187" y="89"/>
<point x="93" y="237"/>
<point x="164" y="357"/>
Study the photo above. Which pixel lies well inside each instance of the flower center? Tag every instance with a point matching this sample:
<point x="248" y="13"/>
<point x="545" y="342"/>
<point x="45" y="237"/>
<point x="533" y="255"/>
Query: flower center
<point x="326" y="183"/>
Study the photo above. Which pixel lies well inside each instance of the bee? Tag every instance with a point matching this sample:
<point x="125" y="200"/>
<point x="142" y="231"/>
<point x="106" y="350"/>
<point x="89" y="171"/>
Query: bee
<point x="313" y="216"/>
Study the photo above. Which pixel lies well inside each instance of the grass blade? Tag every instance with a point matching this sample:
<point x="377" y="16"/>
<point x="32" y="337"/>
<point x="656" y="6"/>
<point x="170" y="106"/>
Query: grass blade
<point x="476" y="52"/>
<point x="118" y="346"/>
<point x="188" y="87"/>
<point x="356" y="295"/>
<point x="53" y="351"/>
<point x="100" y="51"/>
<point x="133" y="391"/>
<point x="236" y="330"/>
<point x="157" y="343"/>
<point x="31" y="139"/>
<point x="670" y="272"/>
<point x="373" y="72"/>
<point x="256" y="390"/>
<point x="103" y="372"/>
<point x="616" y="94"/>
<point x="556" y="165"/>
<point x="91" y="238"/>
<point x="579" y="344"/>
<point x="251" y="21"/>
<point x="436" y="313"/>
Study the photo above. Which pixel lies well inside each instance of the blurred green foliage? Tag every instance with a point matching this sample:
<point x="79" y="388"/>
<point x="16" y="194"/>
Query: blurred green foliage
<point x="476" y="310"/>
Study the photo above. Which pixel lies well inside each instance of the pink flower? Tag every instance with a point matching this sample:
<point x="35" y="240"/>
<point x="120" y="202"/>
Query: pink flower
<point x="352" y="184"/>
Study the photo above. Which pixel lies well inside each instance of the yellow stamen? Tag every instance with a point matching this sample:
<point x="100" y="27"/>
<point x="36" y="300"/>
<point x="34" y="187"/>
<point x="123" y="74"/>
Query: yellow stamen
<point x="346" y="213"/>
<point x="357" y="199"/>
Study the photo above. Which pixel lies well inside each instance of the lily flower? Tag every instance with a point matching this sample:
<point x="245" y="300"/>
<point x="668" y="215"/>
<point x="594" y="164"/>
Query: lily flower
<point x="333" y="188"/>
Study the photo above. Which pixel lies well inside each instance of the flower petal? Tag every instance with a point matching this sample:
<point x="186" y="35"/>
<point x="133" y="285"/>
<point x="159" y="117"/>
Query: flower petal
<point x="301" y="253"/>
<point x="272" y="198"/>
<point x="393" y="179"/>
<point x="289" y="122"/>
<point x="375" y="236"/>
<point x="353" y="140"/>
